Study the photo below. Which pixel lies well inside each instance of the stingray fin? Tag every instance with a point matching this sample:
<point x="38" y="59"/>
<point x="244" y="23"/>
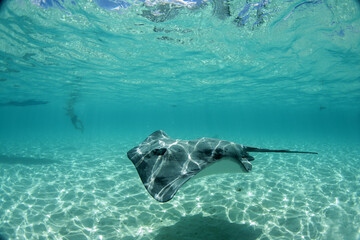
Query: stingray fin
<point x="163" y="173"/>
<point x="162" y="170"/>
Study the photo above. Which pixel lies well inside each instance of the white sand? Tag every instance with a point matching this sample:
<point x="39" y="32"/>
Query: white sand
<point x="82" y="190"/>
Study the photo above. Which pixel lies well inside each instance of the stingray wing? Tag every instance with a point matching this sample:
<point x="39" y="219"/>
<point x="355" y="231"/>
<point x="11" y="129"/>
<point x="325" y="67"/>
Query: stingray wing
<point x="163" y="170"/>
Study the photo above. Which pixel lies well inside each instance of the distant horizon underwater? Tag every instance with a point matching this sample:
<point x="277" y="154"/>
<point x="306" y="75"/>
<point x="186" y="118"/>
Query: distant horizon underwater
<point x="82" y="82"/>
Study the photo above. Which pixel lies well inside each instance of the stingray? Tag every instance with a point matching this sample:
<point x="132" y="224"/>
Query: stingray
<point x="165" y="164"/>
<point x="30" y="102"/>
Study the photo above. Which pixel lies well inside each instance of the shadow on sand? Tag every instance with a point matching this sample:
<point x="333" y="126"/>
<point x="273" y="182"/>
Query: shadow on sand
<point x="199" y="227"/>
<point x="25" y="160"/>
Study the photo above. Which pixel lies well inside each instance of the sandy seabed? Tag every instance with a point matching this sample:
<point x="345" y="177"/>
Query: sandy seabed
<point x="82" y="190"/>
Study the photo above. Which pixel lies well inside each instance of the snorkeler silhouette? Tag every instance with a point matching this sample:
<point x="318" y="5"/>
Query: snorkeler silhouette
<point x="76" y="122"/>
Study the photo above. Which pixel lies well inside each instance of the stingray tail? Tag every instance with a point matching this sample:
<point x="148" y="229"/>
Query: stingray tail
<point x="253" y="149"/>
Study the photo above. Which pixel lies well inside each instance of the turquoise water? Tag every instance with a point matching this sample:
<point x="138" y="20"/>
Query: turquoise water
<point x="81" y="85"/>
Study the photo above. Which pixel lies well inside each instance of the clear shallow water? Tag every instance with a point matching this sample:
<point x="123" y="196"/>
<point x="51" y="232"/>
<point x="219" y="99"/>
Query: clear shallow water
<point x="291" y="81"/>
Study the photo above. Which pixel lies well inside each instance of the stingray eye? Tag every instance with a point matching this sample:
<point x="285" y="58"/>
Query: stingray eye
<point x="207" y="151"/>
<point x="159" y="151"/>
<point x="218" y="153"/>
